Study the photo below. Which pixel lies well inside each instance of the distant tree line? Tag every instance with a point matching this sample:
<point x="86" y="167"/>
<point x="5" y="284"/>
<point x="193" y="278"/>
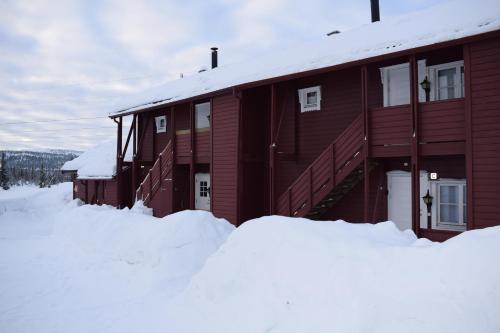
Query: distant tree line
<point x="39" y="168"/>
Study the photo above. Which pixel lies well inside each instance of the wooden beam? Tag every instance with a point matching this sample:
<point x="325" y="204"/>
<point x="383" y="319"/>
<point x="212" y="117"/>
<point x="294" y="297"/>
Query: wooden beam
<point x="134" y="158"/>
<point x="210" y="168"/>
<point x="415" y="160"/>
<point x="119" y="162"/>
<point x="240" y="166"/>
<point x="191" y="157"/>
<point x="468" y="137"/>
<point x="272" y="152"/>
<point x="366" y="147"/>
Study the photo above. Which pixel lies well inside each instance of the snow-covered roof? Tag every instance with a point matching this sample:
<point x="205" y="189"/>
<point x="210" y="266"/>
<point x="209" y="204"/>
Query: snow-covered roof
<point x="440" y="23"/>
<point x="98" y="162"/>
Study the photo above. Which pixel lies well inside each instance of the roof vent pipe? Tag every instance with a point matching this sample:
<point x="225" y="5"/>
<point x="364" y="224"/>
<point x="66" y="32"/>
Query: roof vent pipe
<point x="214" y="56"/>
<point x="375" y="10"/>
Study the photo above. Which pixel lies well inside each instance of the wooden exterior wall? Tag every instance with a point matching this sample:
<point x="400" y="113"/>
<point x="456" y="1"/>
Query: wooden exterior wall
<point x="485" y="135"/>
<point x="314" y="131"/>
<point x="459" y="137"/>
<point x="98" y="191"/>
<point x="225" y="121"/>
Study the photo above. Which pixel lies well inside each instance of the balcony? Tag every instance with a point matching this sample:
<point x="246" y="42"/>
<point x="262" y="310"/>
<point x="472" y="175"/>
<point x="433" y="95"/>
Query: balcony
<point x="441" y="129"/>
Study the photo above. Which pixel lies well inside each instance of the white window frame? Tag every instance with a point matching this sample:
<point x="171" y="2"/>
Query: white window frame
<point x="433" y="78"/>
<point x="304" y="107"/>
<point x="197" y="119"/>
<point x="159" y="128"/>
<point x="384" y="76"/>
<point x="462" y="201"/>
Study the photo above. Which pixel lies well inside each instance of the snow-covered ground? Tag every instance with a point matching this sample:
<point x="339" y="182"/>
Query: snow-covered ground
<point x="71" y="268"/>
<point x="65" y="267"/>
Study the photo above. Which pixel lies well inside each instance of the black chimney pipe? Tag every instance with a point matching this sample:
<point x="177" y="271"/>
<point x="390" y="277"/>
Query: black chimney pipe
<point x="375" y="10"/>
<point x="214" y="56"/>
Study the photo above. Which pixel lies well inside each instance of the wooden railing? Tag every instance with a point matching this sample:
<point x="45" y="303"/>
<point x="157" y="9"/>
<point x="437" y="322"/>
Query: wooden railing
<point x="161" y="170"/>
<point x="390" y="126"/>
<point x="442" y="121"/>
<point x="335" y="163"/>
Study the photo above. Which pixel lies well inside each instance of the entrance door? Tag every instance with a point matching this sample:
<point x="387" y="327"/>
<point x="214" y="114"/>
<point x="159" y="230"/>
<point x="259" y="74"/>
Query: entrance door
<point x="202" y="191"/>
<point x="399" y="198"/>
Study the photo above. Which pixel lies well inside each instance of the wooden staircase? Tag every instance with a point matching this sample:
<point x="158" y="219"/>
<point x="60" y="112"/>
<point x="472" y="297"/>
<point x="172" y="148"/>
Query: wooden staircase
<point x="161" y="171"/>
<point x="336" y="171"/>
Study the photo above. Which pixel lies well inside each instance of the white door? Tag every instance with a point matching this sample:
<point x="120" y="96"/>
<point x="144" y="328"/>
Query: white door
<point x="202" y="191"/>
<point x="399" y="198"/>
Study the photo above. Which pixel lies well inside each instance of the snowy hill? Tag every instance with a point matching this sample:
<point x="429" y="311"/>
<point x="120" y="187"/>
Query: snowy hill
<point x="98" y="269"/>
<point x="24" y="166"/>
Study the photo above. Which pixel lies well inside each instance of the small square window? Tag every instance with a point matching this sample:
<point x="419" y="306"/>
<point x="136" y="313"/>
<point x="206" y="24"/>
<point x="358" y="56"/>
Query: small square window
<point x="161" y="124"/>
<point x="310" y="99"/>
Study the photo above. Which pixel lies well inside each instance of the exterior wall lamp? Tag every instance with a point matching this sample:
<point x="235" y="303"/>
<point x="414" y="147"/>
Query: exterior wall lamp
<point x="428" y="202"/>
<point x="426" y="86"/>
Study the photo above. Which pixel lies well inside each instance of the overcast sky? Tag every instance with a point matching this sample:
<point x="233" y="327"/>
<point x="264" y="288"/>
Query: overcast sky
<point x="67" y="60"/>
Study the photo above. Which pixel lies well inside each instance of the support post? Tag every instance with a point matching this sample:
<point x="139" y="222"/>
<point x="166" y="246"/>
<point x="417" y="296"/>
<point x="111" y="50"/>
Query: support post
<point x="134" y="158"/>
<point x="210" y="168"/>
<point x="366" y="147"/>
<point x="191" y="160"/>
<point x="468" y="137"/>
<point x="415" y="160"/>
<point x="272" y="152"/>
<point x="119" y="161"/>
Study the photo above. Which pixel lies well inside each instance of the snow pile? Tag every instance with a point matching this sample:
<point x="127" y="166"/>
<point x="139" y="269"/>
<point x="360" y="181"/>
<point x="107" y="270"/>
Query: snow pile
<point x="98" y="162"/>
<point x="67" y="267"/>
<point x="280" y="274"/>
<point x="440" y="23"/>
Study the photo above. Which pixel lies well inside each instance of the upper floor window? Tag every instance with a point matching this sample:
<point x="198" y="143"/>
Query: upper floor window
<point x="161" y="124"/>
<point x="310" y="99"/>
<point x="202" y="115"/>
<point x="447" y="80"/>
<point x="396" y="83"/>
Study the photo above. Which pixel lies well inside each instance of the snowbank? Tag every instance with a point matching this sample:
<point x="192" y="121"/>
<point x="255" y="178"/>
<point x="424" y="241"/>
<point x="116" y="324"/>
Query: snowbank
<point x="67" y="267"/>
<point x="280" y="274"/>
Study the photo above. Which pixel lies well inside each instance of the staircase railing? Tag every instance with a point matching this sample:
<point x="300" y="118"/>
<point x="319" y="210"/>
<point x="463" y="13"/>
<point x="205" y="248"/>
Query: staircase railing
<point x="162" y="169"/>
<point x="334" y="164"/>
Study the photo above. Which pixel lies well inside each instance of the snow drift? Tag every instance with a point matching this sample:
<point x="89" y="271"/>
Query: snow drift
<point x="67" y="267"/>
<point x="278" y="274"/>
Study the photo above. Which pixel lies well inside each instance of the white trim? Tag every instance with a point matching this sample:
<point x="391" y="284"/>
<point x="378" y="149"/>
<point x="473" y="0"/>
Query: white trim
<point x="304" y="107"/>
<point x="199" y="122"/>
<point x="433" y="78"/>
<point x="385" y="78"/>
<point x="161" y="128"/>
<point x="461" y="225"/>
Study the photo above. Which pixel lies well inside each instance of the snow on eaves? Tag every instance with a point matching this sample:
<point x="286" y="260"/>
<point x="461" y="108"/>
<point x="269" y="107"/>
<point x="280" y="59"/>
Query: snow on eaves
<point x="96" y="163"/>
<point x="440" y="23"/>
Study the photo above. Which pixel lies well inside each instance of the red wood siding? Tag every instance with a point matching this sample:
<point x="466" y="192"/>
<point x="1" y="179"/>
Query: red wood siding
<point x="485" y="104"/>
<point x="390" y="125"/>
<point x="161" y="139"/>
<point x="182" y="117"/>
<point x="340" y="105"/>
<point x="202" y="147"/>
<point x="101" y="191"/>
<point x="224" y="173"/>
<point x="183" y="145"/>
<point x="442" y="121"/>
<point x="146" y="128"/>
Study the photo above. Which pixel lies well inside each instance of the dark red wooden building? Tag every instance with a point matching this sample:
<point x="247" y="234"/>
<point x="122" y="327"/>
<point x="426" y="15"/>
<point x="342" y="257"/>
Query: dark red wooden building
<point x="358" y="127"/>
